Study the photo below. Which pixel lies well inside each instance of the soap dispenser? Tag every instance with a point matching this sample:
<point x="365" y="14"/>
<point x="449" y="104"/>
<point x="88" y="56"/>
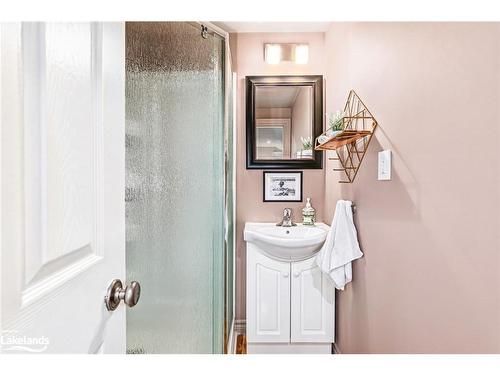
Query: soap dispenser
<point x="308" y="214"/>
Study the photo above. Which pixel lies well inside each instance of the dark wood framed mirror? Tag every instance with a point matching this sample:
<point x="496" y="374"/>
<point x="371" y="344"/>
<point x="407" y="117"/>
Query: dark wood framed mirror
<point x="284" y="115"/>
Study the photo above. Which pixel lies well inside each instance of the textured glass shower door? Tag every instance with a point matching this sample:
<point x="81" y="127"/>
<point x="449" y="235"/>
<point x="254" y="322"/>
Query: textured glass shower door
<point x="174" y="187"/>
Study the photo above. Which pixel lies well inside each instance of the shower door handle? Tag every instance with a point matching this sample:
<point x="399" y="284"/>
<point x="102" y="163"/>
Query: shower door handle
<point x="116" y="293"/>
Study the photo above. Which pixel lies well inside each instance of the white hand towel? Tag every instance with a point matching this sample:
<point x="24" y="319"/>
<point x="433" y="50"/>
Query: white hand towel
<point x="341" y="246"/>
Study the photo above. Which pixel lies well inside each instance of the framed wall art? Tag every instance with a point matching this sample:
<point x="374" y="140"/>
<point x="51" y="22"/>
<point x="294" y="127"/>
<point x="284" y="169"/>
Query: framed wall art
<point x="282" y="186"/>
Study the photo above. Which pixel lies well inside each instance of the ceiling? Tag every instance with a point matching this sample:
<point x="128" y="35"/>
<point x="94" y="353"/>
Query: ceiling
<point x="274" y="27"/>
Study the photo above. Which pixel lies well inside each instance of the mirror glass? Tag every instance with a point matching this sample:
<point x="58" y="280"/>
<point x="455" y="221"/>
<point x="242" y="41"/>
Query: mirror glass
<point x="284" y="122"/>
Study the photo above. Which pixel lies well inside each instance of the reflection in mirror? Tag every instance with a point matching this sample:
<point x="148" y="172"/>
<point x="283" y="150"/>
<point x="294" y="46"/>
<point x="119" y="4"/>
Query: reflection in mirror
<point x="284" y="122"/>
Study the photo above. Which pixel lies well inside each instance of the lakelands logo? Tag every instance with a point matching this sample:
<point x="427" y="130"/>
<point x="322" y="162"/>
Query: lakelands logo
<point x="12" y="341"/>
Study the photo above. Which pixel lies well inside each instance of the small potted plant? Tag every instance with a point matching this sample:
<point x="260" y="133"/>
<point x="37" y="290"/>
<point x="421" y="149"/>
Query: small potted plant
<point x="335" y="126"/>
<point x="336" y="122"/>
<point x="307" y="146"/>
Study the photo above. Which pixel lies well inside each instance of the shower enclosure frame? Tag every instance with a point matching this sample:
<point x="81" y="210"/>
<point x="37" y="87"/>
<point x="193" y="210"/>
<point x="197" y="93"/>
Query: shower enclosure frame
<point x="217" y="326"/>
<point x="229" y="93"/>
<point x="229" y="149"/>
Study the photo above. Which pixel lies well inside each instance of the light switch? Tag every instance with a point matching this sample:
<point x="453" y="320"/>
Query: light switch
<point x="384" y="165"/>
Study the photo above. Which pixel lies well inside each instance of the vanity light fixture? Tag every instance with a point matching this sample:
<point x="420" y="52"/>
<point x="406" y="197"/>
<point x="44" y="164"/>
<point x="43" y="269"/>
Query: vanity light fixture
<point x="301" y="54"/>
<point x="274" y="53"/>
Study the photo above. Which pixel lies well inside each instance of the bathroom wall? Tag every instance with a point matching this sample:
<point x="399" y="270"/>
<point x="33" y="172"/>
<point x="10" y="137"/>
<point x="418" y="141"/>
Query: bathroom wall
<point x="430" y="278"/>
<point x="273" y="113"/>
<point x="249" y="51"/>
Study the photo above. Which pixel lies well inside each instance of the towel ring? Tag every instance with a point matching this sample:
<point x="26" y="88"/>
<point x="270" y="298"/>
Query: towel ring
<point x="353" y="207"/>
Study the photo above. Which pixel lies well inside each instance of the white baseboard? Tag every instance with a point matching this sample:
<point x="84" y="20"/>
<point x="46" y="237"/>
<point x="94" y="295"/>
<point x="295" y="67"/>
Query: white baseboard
<point x="240" y="326"/>
<point x="336" y="349"/>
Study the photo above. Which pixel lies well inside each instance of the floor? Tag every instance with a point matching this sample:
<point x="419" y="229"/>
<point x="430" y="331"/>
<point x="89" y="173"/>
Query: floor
<point x="241" y="344"/>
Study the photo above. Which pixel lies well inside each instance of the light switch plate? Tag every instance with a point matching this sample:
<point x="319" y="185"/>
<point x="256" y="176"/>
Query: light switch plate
<point x="384" y="165"/>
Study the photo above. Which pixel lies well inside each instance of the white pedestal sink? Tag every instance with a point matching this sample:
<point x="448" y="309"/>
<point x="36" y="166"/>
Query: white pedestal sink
<point x="290" y="302"/>
<point x="287" y="243"/>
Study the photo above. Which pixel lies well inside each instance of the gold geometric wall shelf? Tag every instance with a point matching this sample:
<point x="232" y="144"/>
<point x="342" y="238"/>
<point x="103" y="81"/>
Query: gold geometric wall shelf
<point x="351" y="143"/>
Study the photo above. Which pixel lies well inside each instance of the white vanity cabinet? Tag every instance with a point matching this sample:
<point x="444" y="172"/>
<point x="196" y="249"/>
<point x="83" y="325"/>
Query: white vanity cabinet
<point x="290" y="305"/>
<point x="268" y="298"/>
<point x="312" y="303"/>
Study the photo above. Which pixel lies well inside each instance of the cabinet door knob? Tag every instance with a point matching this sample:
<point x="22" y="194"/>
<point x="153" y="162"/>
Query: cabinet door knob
<point x="285" y="274"/>
<point x="296" y="274"/>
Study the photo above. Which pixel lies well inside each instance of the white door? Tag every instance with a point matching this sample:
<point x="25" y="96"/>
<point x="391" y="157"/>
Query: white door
<point x="62" y="186"/>
<point x="312" y="304"/>
<point x="268" y="298"/>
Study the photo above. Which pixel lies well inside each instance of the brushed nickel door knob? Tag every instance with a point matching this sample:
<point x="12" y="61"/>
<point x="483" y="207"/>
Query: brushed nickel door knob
<point x="116" y="293"/>
<point x="132" y="294"/>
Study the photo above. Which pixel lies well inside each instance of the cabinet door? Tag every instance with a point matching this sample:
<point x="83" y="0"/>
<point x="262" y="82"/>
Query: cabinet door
<point x="312" y="304"/>
<point x="268" y="298"/>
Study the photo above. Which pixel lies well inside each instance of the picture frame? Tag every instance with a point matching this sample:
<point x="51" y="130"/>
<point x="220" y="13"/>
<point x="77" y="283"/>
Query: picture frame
<point x="282" y="186"/>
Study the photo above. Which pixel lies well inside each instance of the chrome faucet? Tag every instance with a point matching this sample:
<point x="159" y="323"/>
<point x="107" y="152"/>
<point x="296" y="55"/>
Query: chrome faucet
<point x="287" y="219"/>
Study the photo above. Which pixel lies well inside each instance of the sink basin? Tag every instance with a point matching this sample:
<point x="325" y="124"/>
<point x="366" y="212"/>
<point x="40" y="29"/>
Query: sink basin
<point x="287" y="243"/>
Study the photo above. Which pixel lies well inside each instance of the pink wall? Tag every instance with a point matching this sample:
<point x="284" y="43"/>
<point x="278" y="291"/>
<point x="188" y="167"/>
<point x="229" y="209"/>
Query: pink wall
<point x="273" y="113"/>
<point x="302" y="118"/>
<point x="430" y="278"/>
<point x="249" y="205"/>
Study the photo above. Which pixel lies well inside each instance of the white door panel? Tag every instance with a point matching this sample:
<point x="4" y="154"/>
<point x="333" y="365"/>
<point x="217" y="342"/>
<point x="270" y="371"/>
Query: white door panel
<point x="63" y="170"/>
<point x="268" y="298"/>
<point x="312" y="304"/>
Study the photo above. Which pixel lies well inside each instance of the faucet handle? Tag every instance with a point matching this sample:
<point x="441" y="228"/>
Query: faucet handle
<point x="287" y="219"/>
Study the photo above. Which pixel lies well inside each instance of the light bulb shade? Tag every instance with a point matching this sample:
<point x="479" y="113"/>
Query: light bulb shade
<point x="275" y="53"/>
<point x="272" y="53"/>
<point x="301" y="55"/>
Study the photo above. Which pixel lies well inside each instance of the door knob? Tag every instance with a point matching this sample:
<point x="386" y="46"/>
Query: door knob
<point x="130" y="295"/>
<point x="296" y="274"/>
